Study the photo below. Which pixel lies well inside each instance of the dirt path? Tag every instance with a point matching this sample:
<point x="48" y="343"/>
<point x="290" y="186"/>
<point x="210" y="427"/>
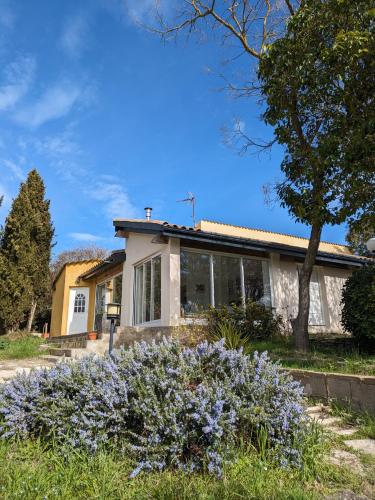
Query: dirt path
<point x="10" y="367"/>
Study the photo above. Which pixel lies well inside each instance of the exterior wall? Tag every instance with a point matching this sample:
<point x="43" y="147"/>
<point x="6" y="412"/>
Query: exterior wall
<point x="58" y="305"/>
<point x="283" y="277"/>
<point x="60" y="298"/>
<point x="285" y="292"/>
<point x="334" y="280"/>
<point x="140" y="247"/>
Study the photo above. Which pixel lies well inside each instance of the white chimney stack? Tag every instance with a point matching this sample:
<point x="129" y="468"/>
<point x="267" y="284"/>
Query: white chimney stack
<point x="148" y="211"/>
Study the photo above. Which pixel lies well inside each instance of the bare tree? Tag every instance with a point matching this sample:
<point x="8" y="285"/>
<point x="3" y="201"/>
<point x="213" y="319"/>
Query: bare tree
<point x="253" y="28"/>
<point x="77" y="255"/>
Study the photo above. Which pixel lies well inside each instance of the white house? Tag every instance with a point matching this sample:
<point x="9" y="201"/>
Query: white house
<point x="172" y="273"/>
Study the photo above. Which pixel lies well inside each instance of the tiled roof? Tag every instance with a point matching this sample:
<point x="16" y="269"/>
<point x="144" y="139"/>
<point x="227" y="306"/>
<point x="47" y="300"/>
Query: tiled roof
<point x="116" y="257"/>
<point x="269" y="236"/>
<point x="235" y="234"/>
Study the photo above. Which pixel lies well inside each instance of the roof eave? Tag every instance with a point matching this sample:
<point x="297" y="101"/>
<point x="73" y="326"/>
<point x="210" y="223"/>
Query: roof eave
<point x="122" y="227"/>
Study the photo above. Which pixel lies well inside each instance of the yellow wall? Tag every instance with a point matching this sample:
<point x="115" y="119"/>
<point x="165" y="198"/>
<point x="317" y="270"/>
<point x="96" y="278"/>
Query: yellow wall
<point x="69" y="279"/>
<point x="60" y="295"/>
<point x="57" y="305"/>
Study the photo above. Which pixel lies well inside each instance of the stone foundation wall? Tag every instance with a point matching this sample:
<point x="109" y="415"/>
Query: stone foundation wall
<point x="189" y="335"/>
<point x="356" y="391"/>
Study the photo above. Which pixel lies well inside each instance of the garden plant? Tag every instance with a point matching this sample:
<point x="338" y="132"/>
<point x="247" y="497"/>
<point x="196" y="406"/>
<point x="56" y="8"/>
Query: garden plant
<point x="163" y="406"/>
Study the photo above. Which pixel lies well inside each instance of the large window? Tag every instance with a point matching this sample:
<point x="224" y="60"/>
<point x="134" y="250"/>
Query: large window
<point x="195" y="282"/>
<point x="221" y="280"/>
<point x="147" y="293"/>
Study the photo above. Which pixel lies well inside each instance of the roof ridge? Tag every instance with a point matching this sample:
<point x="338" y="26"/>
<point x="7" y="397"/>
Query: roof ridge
<point x="272" y="232"/>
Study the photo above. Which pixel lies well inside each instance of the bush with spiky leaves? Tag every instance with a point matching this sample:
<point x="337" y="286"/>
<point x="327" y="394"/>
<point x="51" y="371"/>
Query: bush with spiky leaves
<point x="161" y="404"/>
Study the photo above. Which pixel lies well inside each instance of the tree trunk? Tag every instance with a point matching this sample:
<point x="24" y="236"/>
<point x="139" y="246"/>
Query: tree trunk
<point x="300" y="324"/>
<point x="31" y="316"/>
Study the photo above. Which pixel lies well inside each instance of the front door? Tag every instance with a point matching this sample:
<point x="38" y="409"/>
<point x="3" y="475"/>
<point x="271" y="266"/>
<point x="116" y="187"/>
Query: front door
<point x="78" y="310"/>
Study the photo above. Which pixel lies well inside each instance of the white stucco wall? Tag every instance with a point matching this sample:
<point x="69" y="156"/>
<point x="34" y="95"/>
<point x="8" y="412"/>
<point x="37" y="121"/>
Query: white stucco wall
<point x="140" y="247"/>
<point x="283" y="275"/>
<point x="285" y="292"/>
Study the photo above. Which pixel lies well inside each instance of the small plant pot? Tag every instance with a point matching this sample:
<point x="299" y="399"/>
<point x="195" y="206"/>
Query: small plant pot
<point x="45" y="335"/>
<point x="92" y="336"/>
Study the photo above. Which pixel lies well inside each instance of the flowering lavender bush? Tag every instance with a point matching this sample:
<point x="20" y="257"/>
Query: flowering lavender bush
<point x="163" y="405"/>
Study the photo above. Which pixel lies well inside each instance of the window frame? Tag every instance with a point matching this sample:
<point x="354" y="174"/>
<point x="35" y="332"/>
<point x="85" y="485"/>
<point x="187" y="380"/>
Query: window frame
<point x="136" y="265"/>
<point x="241" y="257"/>
<point x="79" y="305"/>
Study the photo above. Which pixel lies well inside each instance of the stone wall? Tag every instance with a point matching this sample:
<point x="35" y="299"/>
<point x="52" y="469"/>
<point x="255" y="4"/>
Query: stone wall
<point x="187" y="334"/>
<point x="356" y="391"/>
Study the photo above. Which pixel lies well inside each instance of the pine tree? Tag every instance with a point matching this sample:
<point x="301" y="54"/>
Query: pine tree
<point x="25" y="255"/>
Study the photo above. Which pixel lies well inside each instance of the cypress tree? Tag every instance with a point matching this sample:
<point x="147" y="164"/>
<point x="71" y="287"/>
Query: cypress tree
<point x="40" y="244"/>
<point x="14" y="280"/>
<point x="25" y="255"/>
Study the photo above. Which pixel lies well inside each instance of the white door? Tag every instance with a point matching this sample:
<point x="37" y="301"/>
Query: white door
<point x="316" y="308"/>
<point x="78" y="310"/>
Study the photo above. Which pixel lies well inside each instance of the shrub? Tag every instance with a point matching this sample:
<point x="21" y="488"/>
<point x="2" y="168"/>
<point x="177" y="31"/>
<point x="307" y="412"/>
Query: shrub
<point x="254" y="321"/>
<point x="232" y="337"/>
<point x="358" y="300"/>
<point x="161" y="405"/>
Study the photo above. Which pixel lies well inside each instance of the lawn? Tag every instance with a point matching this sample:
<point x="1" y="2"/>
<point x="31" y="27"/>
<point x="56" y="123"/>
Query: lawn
<point x="30" y="471"/>
<point x="320" y="358"/>
<point x="26" y="346"/>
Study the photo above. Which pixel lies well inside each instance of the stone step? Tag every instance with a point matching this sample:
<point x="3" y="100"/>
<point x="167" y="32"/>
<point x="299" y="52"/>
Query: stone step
<point x="343" y="431"/>
<point x="326" y="421"/>
<point x="364" y="445"/>
<point x="60" y="352"/>
<point x="50" y="359"/>
<point x="318" y="409"/>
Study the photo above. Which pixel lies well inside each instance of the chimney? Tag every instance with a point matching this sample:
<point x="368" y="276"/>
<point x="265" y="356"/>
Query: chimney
<point x="148" y="211"/>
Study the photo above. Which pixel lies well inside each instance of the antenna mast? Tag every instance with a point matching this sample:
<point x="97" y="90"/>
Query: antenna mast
<point x="192" y="200"/>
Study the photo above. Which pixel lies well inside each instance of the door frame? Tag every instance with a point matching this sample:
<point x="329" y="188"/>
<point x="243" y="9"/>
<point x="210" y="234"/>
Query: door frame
<point x="71" y="307"/>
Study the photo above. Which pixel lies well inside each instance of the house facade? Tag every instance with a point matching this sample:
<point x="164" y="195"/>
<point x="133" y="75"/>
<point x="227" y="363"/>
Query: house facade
<point x="80" y="293"/>
<point x="171" y="274"/>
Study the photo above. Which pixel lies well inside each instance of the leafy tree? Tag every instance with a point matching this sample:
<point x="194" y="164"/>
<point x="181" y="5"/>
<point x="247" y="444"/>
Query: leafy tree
<point x="76" y="255"/>
<point x="318" y="84"/>
<point x="315" y="71"/>
<point x="360" y="231"/>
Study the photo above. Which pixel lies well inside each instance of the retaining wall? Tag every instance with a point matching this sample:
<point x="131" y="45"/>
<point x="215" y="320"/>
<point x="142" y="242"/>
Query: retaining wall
<point x="356" y="391"/>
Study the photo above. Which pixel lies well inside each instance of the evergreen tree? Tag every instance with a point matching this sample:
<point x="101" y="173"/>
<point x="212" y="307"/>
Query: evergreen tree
<point x="14" y="279"/>
<point x="40" y="244"/>
<point x="25" y="255"/>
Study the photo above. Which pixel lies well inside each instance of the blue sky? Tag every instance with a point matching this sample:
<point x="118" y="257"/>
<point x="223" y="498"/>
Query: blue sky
<point x="114" y="120"/>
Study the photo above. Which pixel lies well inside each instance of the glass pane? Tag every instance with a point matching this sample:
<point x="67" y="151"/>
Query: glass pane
<point x="227" y="280"/>
<point x="138" y="294"/>
<point x="195" y="282"/>
<point x="147" y="299"/>
<point x="156" y="263"/>
<point x="257" y="283"/>
<point x="99" y="307"/>
<point x="117" y="289"/>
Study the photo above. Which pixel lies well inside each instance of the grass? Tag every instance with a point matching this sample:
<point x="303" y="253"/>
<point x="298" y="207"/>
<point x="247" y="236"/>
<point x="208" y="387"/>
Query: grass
<point x="30" y="471"/>
<point x="320" y="358"/>
<point x="26" y="346"/>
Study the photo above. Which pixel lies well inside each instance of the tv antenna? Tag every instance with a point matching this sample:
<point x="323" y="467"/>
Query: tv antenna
<point x="192" y="200"/>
